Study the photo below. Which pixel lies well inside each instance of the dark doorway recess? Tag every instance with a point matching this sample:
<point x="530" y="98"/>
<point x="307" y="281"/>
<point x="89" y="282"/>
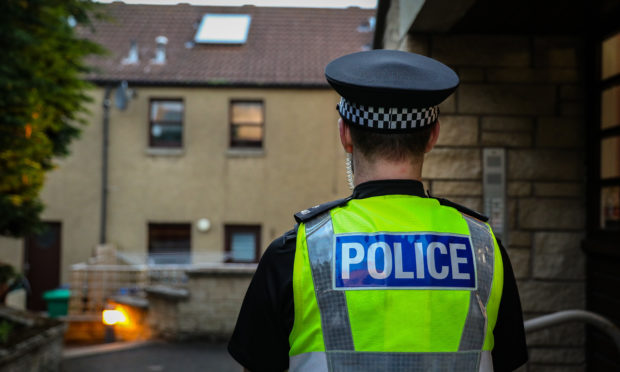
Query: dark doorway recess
<point x="42" y="264"/>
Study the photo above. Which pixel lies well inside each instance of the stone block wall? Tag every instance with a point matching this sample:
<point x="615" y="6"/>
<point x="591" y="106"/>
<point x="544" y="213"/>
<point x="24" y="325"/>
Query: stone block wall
<point x="207" y="309"/>
<point x="524" y="94"/>
<point x="34" y="345"/>
<point x="41" y="355"/>
<point x="216" y="297"/>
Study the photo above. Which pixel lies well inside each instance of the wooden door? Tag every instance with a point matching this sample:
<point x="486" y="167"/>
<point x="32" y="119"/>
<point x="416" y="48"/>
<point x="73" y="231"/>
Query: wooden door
<point x="42" y="264"/>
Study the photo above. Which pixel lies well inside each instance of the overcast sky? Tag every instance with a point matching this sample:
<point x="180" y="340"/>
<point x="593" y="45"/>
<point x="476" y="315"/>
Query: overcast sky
<point x="287" y="3"/>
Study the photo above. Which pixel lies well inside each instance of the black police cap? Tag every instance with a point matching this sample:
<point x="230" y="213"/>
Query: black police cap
<point x="391" y="78"/>
<point x="389" y="89"/>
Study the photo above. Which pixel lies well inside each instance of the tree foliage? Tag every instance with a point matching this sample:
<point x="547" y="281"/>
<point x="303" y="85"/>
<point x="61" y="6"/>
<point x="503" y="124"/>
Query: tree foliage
<point x="42" y="99"/>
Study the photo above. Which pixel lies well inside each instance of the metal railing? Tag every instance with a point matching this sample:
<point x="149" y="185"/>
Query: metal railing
<point x="570" y="316"/>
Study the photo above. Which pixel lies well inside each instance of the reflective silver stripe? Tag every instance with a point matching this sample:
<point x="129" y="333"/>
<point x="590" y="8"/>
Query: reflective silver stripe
<point x="311" y="362"/>
<point x="337" y="333"/>
<point x="474" y="331"/>
<point x="486" y="361"/>
<point x="348" y="361"/>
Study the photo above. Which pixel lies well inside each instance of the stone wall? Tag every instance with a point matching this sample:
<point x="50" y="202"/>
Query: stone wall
<point x="43" y="357"/>
<point x="524" y="94"/>
<point x="207" y="308"/>
<point x="35" y="345"/>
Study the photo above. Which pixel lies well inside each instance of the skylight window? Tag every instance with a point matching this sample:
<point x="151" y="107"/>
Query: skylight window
<point x="223" y="29"/>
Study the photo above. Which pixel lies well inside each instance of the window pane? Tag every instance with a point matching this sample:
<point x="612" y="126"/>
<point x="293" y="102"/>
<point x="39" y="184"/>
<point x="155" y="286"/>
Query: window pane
<point x="246" y="124"/>
<point x="167" y="134"/>
<point x="610" y="157"/>
<point x="166" y="123"/>
<point x="169" y="243"/>
<point x="167" y="111"/>
<point x="611" y="57"/>
<point x="610" y="107"/>
<point x="247" y="133"/>
<point x="243" y="246"/>
<point x="247" y="113"/>
<point x="610" y="208"/>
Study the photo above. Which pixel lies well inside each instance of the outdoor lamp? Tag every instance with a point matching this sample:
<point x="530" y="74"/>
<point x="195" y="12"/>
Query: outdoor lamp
<point x="203" y="225"/>
<point x="110" y="317"/>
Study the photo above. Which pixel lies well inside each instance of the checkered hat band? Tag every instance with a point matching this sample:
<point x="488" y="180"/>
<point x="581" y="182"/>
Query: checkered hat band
<point x="388" y="118"/>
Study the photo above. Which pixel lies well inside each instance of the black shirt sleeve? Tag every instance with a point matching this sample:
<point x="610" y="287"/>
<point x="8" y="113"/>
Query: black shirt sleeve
<point x="510" y="350"/>
<point x="260" y="339"/>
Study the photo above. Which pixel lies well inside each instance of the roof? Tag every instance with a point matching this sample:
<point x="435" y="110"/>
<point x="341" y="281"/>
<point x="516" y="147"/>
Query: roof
<point x="285" y="46"/>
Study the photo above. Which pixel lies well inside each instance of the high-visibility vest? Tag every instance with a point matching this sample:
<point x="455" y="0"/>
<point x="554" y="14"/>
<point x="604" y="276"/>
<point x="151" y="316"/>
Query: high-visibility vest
<point x="394" y="283"/>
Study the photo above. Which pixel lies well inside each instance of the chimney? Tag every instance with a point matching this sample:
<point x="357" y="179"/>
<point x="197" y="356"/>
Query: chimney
<point x="132" y="57"/>
<point x="160" y="52"/>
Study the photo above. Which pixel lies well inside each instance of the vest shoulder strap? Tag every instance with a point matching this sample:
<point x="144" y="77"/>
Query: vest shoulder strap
<point x="462" y="209"/>
<point x="308" y="214"/>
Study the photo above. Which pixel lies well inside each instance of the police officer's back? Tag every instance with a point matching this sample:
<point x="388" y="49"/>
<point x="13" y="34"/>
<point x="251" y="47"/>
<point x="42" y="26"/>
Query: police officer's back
<point x="388" y="278"/>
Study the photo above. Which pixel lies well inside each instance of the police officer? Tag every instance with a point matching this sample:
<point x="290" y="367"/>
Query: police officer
<point x="388" y="279"/>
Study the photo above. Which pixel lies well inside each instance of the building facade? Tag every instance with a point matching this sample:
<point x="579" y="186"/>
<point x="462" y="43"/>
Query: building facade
<point x="218" y="144"/>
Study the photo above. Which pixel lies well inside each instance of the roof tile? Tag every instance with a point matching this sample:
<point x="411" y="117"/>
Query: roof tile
<point x="285" y="46"/>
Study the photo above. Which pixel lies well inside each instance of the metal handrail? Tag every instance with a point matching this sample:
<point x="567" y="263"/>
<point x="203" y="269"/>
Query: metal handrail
<point x="568" y="316"/>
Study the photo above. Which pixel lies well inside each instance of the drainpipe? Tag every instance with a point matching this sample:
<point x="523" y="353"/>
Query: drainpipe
<point x="104" y="165"/>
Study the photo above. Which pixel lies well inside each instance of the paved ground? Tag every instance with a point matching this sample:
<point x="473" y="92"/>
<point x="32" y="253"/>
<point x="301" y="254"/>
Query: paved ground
<point x="151" y="357"/>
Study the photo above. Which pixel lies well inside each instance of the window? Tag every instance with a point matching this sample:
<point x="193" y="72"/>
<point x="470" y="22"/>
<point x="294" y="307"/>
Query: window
<point x="246" y="124"/>
<point x="166" y="123"/>
<point x="170" y="243"/>
<point x="242" y="243"/>
<point x="608" y="134"/>
<point x="223" y="29"/>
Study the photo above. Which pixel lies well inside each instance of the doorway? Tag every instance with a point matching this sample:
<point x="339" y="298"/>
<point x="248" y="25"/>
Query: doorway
<point x="42" y="264"/>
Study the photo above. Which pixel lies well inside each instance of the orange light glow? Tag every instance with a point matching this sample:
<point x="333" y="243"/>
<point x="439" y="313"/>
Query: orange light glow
<point x="28" y="131"/>
<point x="111" y="317"/>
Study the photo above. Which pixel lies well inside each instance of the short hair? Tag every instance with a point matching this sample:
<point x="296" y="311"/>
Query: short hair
<point x="390" y="146"/>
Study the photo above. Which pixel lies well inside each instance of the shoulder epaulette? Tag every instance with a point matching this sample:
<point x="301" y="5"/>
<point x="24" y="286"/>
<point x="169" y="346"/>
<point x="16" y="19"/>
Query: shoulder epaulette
<point x="462" y="209"/>
<point x="291" y="234"/>
<point x="308" y="214"/>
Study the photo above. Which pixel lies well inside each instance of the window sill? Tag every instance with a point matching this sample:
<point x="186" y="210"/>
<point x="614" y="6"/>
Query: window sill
<point x="245" y="153"/>
<point x="160" y="151"/>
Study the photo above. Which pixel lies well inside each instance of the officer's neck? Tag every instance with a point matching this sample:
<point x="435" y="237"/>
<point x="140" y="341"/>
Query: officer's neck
<point x="382" y="169"/>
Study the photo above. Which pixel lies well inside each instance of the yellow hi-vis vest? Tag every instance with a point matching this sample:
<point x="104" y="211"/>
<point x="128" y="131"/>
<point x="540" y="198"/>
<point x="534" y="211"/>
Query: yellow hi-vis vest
<point x="394" y="283"/>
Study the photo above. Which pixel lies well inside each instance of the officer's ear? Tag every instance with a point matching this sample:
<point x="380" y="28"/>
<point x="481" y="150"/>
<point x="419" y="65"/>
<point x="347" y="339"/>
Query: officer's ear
<point x="345" y="136"/>
<point x="432" y="140"/>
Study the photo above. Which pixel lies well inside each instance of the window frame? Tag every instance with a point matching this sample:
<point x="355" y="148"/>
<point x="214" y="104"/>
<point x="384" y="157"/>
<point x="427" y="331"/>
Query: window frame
<point x="151" y="144"/>
<point x="232" y="144"/>
<point x="230" y="229"/>
<point x="596" y="85"/>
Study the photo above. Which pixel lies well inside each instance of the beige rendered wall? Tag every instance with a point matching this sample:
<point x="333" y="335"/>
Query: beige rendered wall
<point x="302" y="165"/>
<point x="11" y="251"/>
